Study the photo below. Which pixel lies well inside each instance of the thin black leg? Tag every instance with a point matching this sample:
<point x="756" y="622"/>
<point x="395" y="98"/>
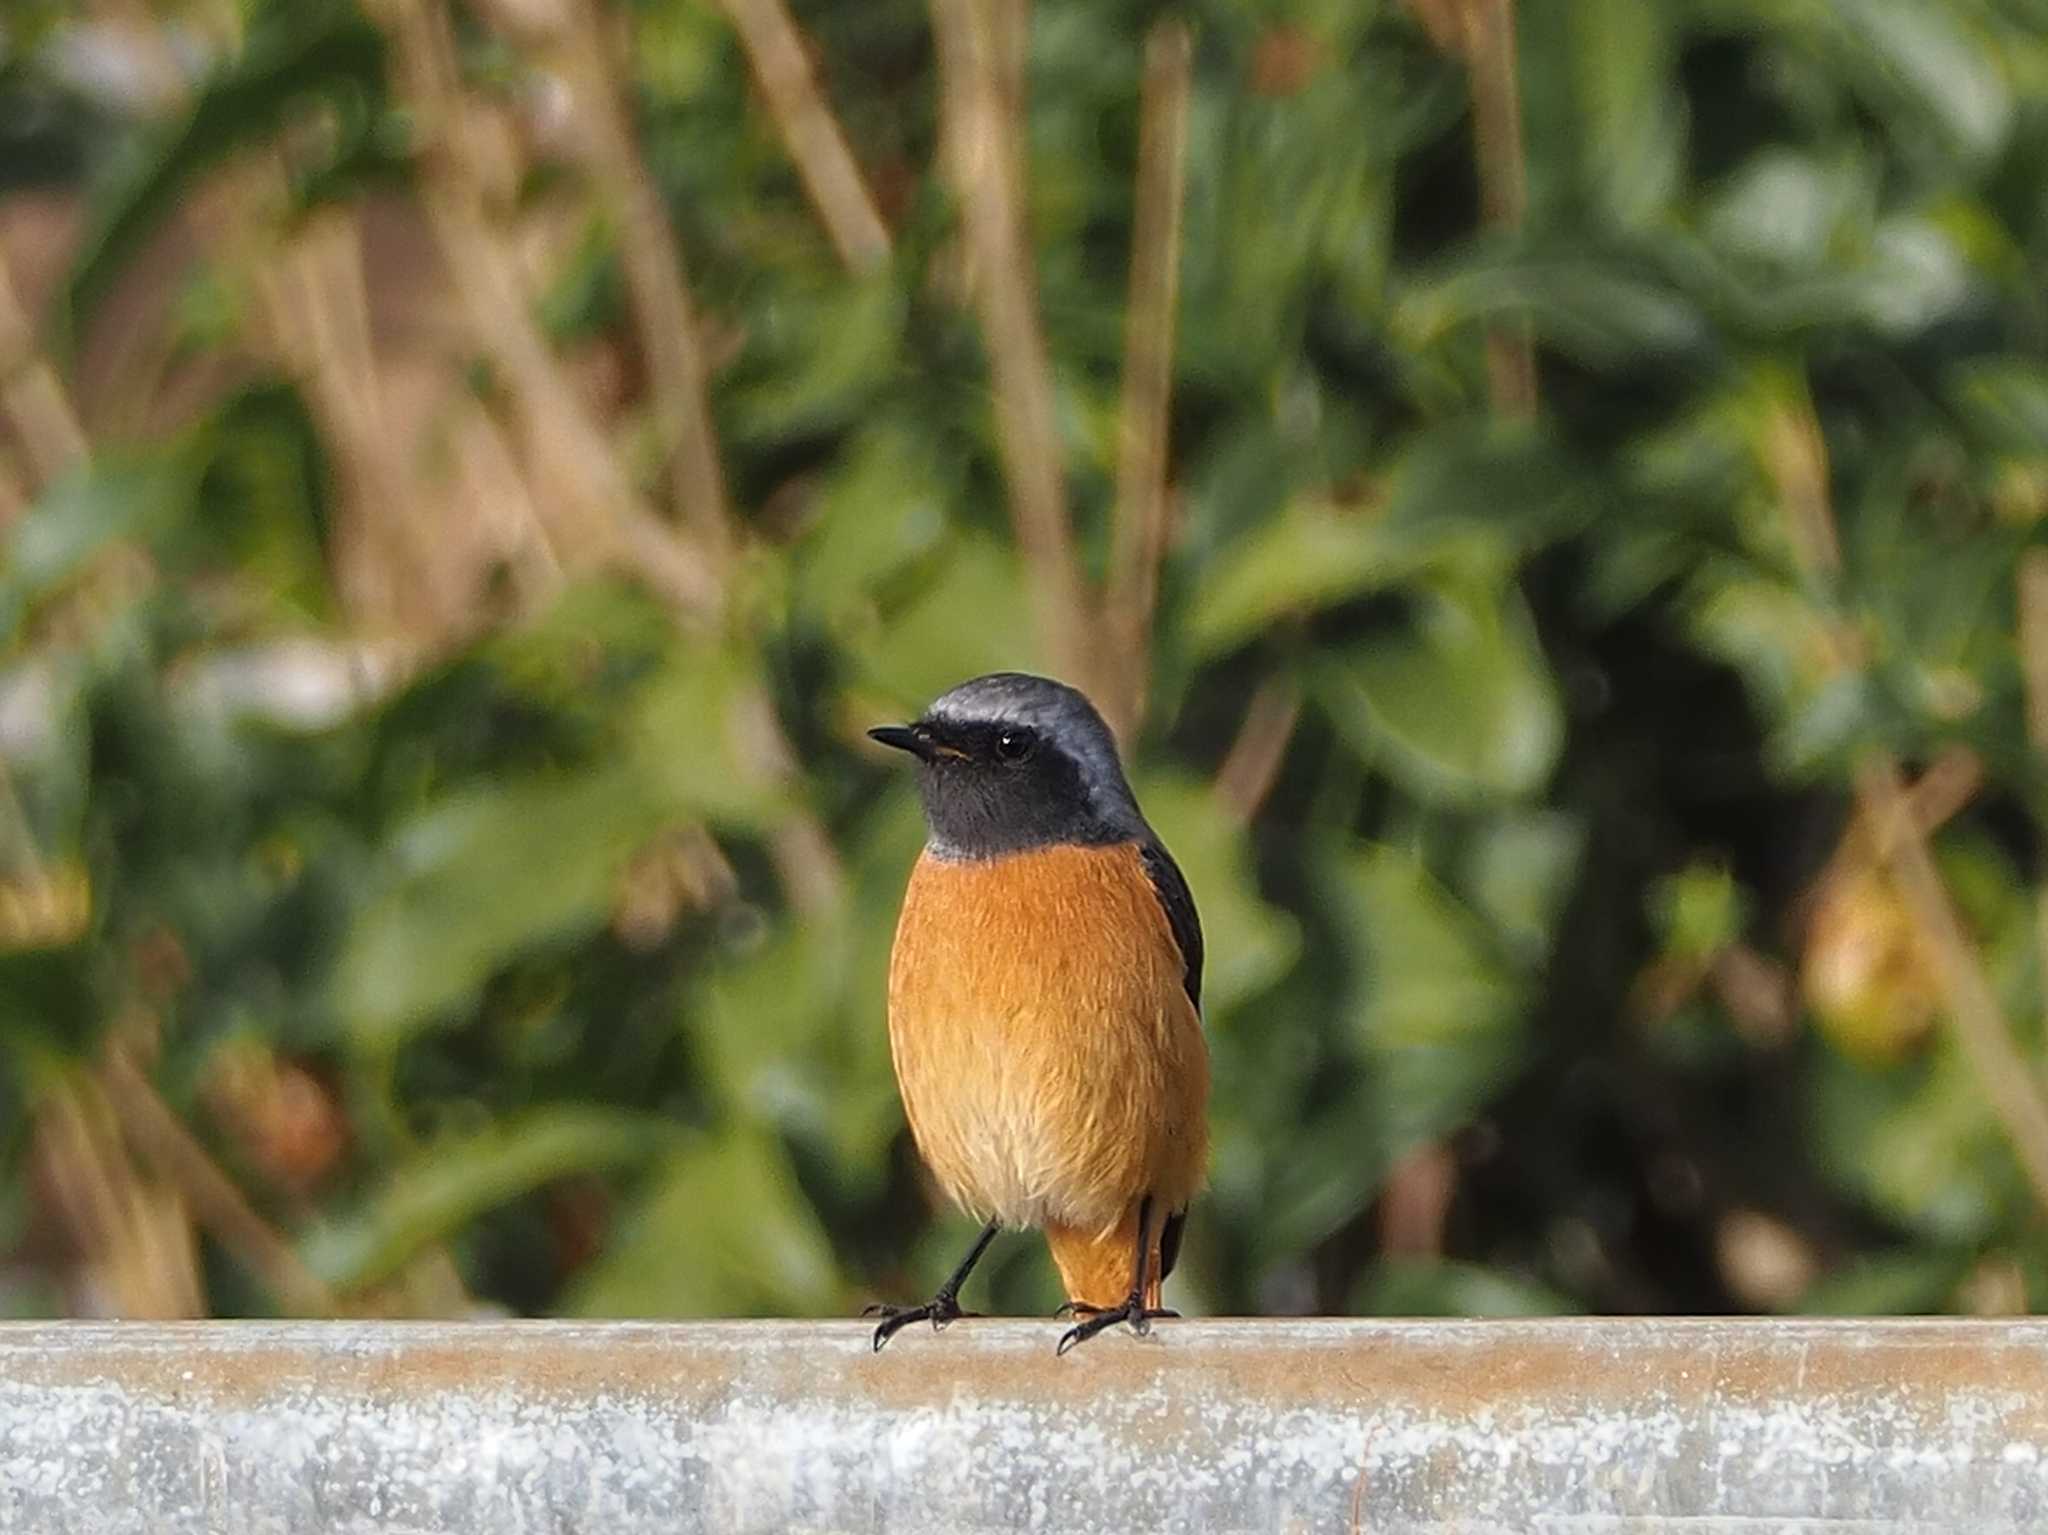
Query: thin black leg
<point x="1133" y="1310"/>
<point x="944" y="1306"/>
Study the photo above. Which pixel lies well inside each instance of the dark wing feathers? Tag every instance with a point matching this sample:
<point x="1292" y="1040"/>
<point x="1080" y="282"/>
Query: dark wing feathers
<point x="1179" y="904"/>
<point x="1169" y="1242"/>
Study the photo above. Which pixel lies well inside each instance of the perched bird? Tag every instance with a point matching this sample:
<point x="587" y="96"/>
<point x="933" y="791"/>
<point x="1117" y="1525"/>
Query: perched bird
<point x="1045" y="1000"/>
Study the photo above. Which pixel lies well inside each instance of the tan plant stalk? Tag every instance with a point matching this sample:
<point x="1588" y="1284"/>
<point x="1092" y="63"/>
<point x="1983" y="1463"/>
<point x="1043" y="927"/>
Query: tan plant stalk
<point x="985" y="160"/>
<point x="811" y="132"/>
<point x="1142" y="526"/>
<point x="610" y="520"/>
<point x="1796" y="455"/>
<point x="1252" y="764"/>
<point x="1489" y="44"/>
<point x="177" y="1157"/>
<point x="671" y="339"/>
<point x="33" y="396"/>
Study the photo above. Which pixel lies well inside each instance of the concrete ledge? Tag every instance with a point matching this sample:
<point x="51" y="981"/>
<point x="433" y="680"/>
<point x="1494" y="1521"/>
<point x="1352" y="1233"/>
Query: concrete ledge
<point x="1566" y="1428"/>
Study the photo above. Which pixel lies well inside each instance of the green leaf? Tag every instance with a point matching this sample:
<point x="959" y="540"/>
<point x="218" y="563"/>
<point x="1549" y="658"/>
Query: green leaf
<point x="1459" y="498"/>
<point x="686" y="737"/>
<point x="1437" y="1014"/>
<point x="1457" y="702"/>
<point x="1632" y="122"/>
<point x="1930" y="61"/>
<point x="1918" y="276"/>
<point x="678" y="52"/>
<point x="2005" y="399"/>
<point x="969" y="616"/>
<point x="1604" y="312"/>
<point x="112" y="497"/>
<point x="450" y="1183"/>
<point x="1768" y="630"/>
<point x="478" y="878"/>
<point x="1917" y="1143"/>
<point x="1910" y="1283"/>
<point x="817" y="357"/>
<point x="792" y="1034"/>
<point x="1401" y="1287"/>
<point x="1313" y="555"/>
<point x="1511" y="484"/>
<point x="263" y="503"/>
<point x="1791" y="209"/>
<point x="53" y="1001"/>
<point x="788" y="1022"/>
<point x="1519" y="873"/>
<point x="1301" y="1188"/>
<point x="1698" y="911"/>
<point x="722" y="1230"/>
<point x="882" y="510"/>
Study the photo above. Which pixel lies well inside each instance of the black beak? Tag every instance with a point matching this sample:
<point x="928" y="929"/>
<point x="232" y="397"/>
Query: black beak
<point x="902" y="737"/>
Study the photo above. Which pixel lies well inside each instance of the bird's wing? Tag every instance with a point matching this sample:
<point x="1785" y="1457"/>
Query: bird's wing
<point x="1178" y="902"/>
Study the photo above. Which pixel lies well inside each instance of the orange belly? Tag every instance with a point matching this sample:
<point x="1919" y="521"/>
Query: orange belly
<point x="1052" y="1067"/>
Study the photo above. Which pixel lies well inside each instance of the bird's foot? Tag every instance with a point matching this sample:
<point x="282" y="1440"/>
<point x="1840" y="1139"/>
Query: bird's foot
<point x="1068" y="1308"/>
<point x="939" y="1310"/>
<point x="1100" y="1318"/>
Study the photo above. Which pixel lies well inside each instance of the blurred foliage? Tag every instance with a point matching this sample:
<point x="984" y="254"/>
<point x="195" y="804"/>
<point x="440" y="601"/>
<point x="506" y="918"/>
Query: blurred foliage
<point x="501" y="970"/>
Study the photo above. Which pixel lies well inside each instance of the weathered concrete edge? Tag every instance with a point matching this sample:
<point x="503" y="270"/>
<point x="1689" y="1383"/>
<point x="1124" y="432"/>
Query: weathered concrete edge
<point x="1007" y="1332"/>
<point x="1402" y="1428"/>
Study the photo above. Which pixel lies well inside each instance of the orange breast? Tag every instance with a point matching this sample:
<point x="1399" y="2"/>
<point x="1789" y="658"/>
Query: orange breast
<point x="1052" y="1067"/>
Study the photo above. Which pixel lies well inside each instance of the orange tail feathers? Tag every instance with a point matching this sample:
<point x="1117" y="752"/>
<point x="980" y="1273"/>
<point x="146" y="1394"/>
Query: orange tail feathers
<point x="1095" y="1268"/>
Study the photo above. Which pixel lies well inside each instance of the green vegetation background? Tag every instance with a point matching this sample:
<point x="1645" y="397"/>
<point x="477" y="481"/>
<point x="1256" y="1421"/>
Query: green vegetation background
<point x="1550" y="966"/>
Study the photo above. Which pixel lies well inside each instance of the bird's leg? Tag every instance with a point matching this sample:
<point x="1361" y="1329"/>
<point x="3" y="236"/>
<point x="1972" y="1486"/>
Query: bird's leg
<point x="944" y="1306"/>
<point x="1133" y="1310"/>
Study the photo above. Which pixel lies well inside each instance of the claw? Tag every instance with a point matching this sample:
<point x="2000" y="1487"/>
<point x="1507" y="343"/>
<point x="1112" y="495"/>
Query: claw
<point x="1134" y="1311"/>
<point x="939" y="1311"/>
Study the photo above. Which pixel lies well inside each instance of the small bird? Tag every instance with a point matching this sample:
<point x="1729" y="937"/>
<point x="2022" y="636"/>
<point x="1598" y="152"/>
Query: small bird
<point x="1045" y="1000"/>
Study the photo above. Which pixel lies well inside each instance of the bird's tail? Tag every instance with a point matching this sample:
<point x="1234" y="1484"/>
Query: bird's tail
<point x="1095" y="1265"/>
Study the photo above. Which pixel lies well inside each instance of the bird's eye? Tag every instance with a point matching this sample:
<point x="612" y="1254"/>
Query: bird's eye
<point x="1015" y="745"/>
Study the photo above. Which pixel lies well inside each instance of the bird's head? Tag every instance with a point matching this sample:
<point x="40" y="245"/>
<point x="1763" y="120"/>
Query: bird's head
<point x="1010" y="762"/>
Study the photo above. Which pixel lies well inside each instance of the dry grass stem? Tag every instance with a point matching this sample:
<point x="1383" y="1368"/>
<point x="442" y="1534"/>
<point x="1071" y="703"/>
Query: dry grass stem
<point x="2007" y="1078"/>
<point x="1009" y="23"/>
<point x="671" y="341"/>
<point x="33" y="396"/>
<point x="690" y="573"/>
<point x="1415" y="1202"/>
<point x="1797" y="459"/>
<point x="14" y="496"/>
<point x="580" y="488"/>
<point x="986" y="164"/>
<point x="314" y="313"/>
<point x="1141" y="491"/>
<point x="2033" y="614"/>
<point x="1795" y="454"/>
<point x="811" y="132"/>
<point x="1950" y="782"/>
<point x="178" y="1158"/>
<point x="1253" y="762"/>
<point x="1489" y="39"/>
<point x="135" y="1249"/>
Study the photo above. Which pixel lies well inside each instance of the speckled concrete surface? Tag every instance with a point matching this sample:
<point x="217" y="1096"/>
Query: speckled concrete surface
<point x="1560" y="1428"/>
